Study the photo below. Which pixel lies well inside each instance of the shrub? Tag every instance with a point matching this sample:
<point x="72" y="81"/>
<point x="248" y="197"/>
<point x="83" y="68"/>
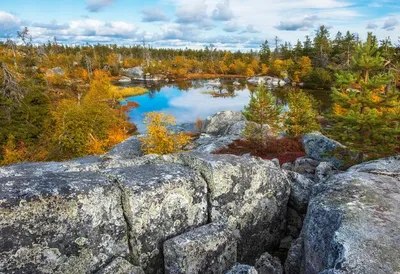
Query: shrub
<point x="160" y="140"/>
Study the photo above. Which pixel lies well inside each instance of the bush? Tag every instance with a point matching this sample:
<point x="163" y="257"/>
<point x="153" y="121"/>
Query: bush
<point x="160" y="140"/>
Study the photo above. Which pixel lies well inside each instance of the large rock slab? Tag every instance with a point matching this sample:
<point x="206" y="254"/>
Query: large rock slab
<point x="60" y="223"/>
<point x="388" y="166"/>
<point x="160" y="201"/>
<point x="300" y="193"/>
<point x="250" y="194"/>
<point x="210" y="249"/>
<point x="224" y="123"/>
<point x="89" y="163"/>
<point x="353" y="224"/>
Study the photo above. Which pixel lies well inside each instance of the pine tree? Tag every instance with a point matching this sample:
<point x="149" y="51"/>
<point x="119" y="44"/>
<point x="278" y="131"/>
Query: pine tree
<point x="366" y="116"/>
<point x="301" y="117"/>
<point x="262" y="110"/>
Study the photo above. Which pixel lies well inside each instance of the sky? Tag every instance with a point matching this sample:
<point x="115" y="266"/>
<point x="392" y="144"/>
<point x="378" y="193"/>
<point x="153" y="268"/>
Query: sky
<point x="227" y="24"/>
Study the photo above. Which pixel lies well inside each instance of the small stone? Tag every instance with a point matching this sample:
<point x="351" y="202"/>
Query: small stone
<point x="242" y="269"/>
<point x="268" y="264"/>
<point x="286" y="242"/>
<point x="276" y="162"/>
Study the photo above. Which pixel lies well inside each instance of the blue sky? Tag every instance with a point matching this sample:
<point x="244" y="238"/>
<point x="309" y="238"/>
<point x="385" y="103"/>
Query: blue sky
<point x="229" y="24"/>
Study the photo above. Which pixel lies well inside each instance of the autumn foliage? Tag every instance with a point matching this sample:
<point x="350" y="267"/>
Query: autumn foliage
<point x="159" y="139"/>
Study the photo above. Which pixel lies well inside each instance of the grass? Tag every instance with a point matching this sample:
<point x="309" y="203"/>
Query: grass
<point x="122" y="92"/>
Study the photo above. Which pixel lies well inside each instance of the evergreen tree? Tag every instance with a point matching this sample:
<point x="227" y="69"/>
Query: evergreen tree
<point x="301" y="117"/>
<point x="261" y="110"/>
<point x="265" y="53"/>
<point x="366" y="117"/>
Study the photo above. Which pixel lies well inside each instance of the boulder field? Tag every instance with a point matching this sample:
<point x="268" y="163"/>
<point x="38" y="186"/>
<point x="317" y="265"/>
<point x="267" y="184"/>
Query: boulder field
<point x="195" y="212"/>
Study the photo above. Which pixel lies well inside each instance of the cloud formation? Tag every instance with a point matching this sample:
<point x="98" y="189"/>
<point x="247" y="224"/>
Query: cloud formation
<point x="222" y="12"/>
<point x="303" y="24"/>
<point x="9" y="24"/>
<point x="154" y="15"/>
<point x="390" y="23"/>
<point x="98" y="5"/>
<point x="372" y="26"/>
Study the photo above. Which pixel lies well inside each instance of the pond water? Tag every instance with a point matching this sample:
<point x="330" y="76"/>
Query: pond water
<point x="189" y="100"/>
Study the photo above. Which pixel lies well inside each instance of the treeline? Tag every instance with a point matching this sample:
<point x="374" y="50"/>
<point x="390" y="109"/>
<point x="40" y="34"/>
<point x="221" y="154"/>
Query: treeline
<point x="49" y="93"/>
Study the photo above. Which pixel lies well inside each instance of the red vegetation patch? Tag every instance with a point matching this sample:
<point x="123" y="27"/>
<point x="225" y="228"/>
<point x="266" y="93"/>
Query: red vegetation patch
<point x="284" y="149"/>
<point x="129" y="106"/>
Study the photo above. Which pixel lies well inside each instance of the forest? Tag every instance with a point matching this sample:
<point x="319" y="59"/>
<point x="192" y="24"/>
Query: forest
<point x="58" y="102"/>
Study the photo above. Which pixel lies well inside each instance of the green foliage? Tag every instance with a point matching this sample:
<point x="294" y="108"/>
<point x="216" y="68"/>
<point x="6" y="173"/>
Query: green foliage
<point x="366" y="110"/>
<point x="319" y="78"/>
<point x="261" y="110"/>
<point x="301" y="117"/>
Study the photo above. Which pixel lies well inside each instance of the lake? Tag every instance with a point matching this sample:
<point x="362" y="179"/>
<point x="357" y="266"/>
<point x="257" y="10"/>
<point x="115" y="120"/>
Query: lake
<point x="189" y="100"/>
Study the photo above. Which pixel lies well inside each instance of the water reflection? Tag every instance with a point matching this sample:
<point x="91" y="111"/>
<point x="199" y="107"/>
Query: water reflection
<point x="188" y="100"/>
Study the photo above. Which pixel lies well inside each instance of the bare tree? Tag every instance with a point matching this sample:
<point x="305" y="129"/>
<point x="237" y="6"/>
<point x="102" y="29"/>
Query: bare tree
<point x="10" y="87"/>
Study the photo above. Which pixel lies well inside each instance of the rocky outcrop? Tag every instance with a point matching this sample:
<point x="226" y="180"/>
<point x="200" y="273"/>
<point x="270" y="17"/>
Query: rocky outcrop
<point x="224" y="123"/>
<point x="82" y="214"/>
<point x="159" y="201"/>
<point x="135" y="73"/>
<point x="55" y="71"/>
<point x="209" y="249"/>
<point x="322" y="148"/>
<point x="353" y="221"/>
<point x="125" y="79"/>
<point x="60" y="223"/>
<point x="128" y="149"/>
<point x="250" y="194"/>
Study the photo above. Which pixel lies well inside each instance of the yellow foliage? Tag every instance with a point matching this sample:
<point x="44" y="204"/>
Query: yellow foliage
<point x="159" y="139"/>
<point x="94" y="145"/>
<point x="338" y="110"/>
<point x="122" y="92"/>
<point x="13" y="153"/>
<point x="115" y="136"/>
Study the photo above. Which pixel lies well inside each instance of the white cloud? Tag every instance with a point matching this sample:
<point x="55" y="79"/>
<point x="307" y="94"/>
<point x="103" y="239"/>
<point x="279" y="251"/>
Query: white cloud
<point x="304" y="23"/>
<point x="154" y="15"/>
<point x="9" y="24"/>
<point x="222" y="12"/>
<point x="390" y="23"/>
<point x="98" y="5"/>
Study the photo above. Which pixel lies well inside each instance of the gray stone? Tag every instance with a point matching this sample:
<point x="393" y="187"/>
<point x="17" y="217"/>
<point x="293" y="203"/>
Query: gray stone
<point x="210" y="143"/>
<point x="136" y="73"/>
<point x="89" y="163"/>
<point x="352" y="224"/>
<point x="300" y="193"/>
<point x="160" y="201"/>
<point x="208" y="249"/>
<point x="60" y="223"/>
<point x="323" y="171"/>
<point x="125" y="79"/>
<point x="388" y="166"/>
<point x="250" y="194"/>
<point x="268" y="264"/>
<point x="322" y="148"/>
<point x="55" y="71"/>
<point x="121" y="266"/>
<point x="222" y="122"/>
<point x="293" y="263"/>
<point x="305" y="166"/>
<point x="292" y="231"/>
<point x="287" y="166"/>
<point x="276" y="162"/>
<point x="128" y="149"/>
<point x="242" y="269"/>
